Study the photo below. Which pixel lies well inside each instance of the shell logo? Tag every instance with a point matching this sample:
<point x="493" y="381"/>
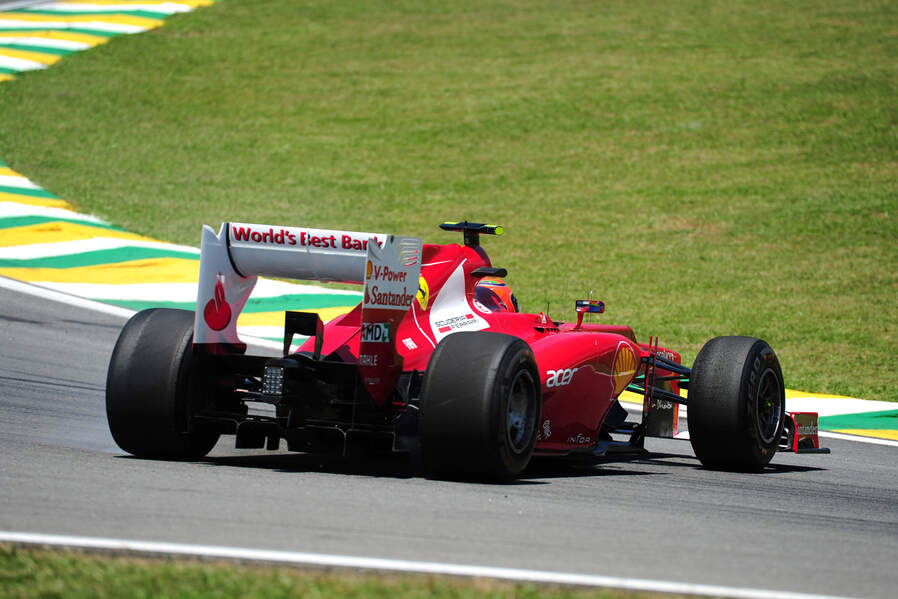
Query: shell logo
<point x="368" y="268"/>
<point x="624" y="368"/>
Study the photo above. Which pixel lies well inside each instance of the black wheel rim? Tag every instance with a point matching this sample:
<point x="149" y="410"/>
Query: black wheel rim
<point x="520" y="416"/>
<point x="770" y="406"/>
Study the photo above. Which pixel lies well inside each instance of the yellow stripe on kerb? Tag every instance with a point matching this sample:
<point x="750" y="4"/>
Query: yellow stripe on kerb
<point x="869" y="432"/>
<point x="8" y="172"/>
<point x="59" y="231"/>
<point x="40" y="57"/>
<point x="67" y="36"/>
<point x="32" y="201"/>
<point x="5" y="77"/>
<point x="791" y="393"/>
<point x="276" y="319"/>
<point x="155" y="270"/>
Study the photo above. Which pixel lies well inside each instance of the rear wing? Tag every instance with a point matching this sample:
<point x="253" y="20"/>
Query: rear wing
<point x="232" y="261"/>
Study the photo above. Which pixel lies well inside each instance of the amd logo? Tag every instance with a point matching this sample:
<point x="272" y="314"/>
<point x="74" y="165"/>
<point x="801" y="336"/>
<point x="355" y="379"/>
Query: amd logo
<point x="560" y="377"/>
<point x="376" y="332"/>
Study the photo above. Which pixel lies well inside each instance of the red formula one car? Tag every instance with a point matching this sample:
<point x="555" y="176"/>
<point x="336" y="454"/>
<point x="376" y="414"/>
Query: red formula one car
<point x="435" y="361"/>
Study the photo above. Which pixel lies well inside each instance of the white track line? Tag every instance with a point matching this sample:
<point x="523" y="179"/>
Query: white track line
<point x="160" y="7"/>
<point x="43" y="25"/>
<point x="19" y="64"/>
<point x="321" y="560"/>
<point x="43" y="42"/>
<point x="58" y="296"/>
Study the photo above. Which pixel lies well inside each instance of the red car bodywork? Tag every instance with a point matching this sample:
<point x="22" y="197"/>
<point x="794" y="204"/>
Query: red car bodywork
<point x="583" y="369"/>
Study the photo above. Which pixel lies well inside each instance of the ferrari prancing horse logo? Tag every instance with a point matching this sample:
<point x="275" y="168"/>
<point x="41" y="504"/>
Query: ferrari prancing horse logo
<point x="423" y="295"/>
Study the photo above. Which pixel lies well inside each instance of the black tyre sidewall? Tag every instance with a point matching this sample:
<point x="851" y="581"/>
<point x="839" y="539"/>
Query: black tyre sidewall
<point x="464" y="406"/>
<point x="723" y="403"/>
<point x="516" y="361"/>
<point x="151" y="388"/>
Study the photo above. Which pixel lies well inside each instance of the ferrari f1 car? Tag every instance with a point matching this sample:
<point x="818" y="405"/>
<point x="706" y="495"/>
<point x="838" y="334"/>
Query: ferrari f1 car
<point x="428" y="365"/>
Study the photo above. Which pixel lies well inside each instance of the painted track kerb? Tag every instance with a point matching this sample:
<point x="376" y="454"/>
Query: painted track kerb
<point x="88" y="304"/>
<point x="375" y="565"/>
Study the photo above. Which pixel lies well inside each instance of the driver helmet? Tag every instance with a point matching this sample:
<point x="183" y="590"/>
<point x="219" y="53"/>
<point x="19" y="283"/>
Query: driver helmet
<point x="496" y="295"/>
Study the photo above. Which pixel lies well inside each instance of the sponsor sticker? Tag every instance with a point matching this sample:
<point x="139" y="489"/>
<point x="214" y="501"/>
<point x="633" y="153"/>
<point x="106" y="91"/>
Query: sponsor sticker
<point x="217" y="311"/>
<point x="579" y="439"/>
<point x="667" y="355"/>
<point x="376" y="332"/>
<point x="387" y="286"/>
<point x="624" y="368"/>
<point x="455" y="323"/>
<point x="450" y="311"/>
<point x="560" y="377"/>
<point x="312" y="238"/>
<point x="423" y="295"/>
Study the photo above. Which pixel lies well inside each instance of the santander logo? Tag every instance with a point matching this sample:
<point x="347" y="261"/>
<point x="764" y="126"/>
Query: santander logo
<point x="217" y="312"/>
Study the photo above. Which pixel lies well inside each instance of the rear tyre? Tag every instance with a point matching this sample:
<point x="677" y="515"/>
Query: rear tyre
<point x="737" y="404"/>
<point x="152" y="389"/>
<point x="480" y="405"/>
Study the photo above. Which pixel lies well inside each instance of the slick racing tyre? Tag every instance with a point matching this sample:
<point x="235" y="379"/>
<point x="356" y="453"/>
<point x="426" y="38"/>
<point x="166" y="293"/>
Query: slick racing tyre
<point x="151" y="388"/>
<point x="480" y="405"/>
<point x="737" y="404"/>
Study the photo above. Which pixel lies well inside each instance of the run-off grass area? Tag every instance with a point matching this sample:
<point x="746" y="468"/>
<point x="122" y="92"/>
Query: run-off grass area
<point x="41" y="573"/>
<point x="708" y="168"/>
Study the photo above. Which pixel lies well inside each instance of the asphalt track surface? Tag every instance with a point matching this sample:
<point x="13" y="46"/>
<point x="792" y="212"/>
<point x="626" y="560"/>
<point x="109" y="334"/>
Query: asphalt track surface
<point x="809" y="524"/>
<point x="14" y="4"/>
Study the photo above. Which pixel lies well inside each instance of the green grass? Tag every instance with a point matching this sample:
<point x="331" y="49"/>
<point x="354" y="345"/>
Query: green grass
<point x="708" y="168"/>
<point x="28" y="573"/>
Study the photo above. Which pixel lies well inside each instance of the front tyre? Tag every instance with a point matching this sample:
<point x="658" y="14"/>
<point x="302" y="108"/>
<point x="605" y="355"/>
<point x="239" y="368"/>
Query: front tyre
<point x="152" y="389"/>
<point x="737" y="404"/>
<point x="480" y="405"/>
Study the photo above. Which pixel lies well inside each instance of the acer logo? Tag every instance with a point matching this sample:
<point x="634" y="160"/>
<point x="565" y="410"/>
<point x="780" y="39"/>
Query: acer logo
<point x="560" y="377"/>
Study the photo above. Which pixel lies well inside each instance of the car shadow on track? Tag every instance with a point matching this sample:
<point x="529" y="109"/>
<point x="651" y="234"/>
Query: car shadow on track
<point x="380" y="466"/>
<point x="548" y="468"/>
<point x="654" y="463"/>
<point x="388" y="466"/>
<point x="679" y="460"/>
<point x="540" y="471"/>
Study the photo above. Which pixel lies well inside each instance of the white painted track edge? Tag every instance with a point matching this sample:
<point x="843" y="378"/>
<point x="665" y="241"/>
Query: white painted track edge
<point x="373" y="565"/>
<point x="65" y="298"/>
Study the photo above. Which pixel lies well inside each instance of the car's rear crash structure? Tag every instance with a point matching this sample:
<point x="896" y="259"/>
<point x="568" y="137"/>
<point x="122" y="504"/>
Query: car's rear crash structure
<point x="422" y="366"/>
